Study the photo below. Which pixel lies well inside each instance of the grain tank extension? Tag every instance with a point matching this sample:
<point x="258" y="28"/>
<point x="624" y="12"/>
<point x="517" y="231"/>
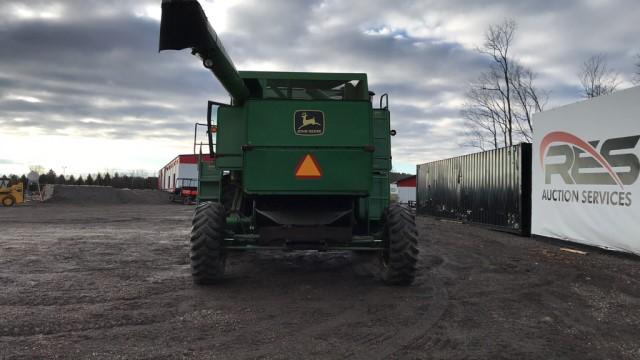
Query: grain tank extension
<point x="302" y="162"/>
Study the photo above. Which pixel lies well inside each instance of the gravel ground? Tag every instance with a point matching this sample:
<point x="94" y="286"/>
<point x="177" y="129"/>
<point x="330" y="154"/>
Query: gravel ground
<point x="80" y="195"/>
<point x="113" y="282"/>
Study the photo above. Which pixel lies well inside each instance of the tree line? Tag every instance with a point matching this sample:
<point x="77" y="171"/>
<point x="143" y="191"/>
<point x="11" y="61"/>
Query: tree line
<point x="100" y="179"/>
<point x="500" y="103"/>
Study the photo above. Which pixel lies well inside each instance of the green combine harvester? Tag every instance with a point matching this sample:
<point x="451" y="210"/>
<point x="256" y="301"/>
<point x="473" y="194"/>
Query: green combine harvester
<point x="302" y="162"/>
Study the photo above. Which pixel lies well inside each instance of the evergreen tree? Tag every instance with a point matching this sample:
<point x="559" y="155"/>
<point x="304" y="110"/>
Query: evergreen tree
<point x="89" y="180"/>
<point x="99" y="180"/>
<point x="80" y="180"/>
<point x="60" y="179"/>
<point x="71" y="180"/>
<point x="151" y="182"/>
<point x="107" y="180"/>
<point x="50" y="177"/>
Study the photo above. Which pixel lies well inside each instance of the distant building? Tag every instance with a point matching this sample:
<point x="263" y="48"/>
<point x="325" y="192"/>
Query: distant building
<point x="181" y="167"/>
<point x="406" y="189"/>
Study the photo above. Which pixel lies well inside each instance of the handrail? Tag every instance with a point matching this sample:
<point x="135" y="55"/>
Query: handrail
<point x="384" y="96"/>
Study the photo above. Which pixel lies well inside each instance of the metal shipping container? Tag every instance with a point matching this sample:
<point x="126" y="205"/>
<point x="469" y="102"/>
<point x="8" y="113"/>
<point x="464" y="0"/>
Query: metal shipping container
<point x="491" y="187"/>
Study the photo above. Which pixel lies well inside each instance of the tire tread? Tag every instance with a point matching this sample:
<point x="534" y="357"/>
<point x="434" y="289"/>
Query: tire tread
<point x="207" y="235"/>
<point x="402" y="236"/>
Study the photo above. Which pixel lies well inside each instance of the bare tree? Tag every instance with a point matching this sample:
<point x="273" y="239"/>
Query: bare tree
<point x="484" y="112"/>
<point x="484" y="123"/>
<point x="475" y="137"/>
<point x="597" y="78"/>
<point x="37" y="168"/>
<point x="500" y="104"/>
<point x="497" y="44"/>
<point x="528" y="97"/>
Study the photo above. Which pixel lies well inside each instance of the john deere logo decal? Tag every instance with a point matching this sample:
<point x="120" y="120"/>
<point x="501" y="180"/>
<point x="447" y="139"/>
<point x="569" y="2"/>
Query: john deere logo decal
<point x="308" y="122"/>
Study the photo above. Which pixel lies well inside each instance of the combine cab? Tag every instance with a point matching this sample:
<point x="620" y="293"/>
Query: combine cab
<point x="302" y="162"/>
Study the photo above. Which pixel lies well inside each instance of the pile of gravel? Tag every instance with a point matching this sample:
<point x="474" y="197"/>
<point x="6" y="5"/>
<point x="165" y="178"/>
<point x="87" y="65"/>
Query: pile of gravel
<point x="88" y="194"/>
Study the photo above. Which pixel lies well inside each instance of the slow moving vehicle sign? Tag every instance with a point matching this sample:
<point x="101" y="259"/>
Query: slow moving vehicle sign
<point x="308" y="168"/>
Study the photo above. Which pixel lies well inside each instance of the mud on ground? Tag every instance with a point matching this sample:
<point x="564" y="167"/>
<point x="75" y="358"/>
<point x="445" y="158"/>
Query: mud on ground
<point x="113" y="282"/>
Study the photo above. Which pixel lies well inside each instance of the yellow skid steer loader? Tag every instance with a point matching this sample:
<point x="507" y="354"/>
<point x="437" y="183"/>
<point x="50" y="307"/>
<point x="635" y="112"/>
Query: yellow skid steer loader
<point x="11" y="195"/>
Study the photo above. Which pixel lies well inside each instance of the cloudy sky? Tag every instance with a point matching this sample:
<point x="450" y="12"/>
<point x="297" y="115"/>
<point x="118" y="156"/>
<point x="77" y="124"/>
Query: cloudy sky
<point x="84" y="89"/>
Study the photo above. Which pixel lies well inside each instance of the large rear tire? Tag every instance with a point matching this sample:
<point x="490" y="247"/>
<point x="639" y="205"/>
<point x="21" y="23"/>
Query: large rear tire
<point x="400" y="258"/>
<point x="207" y="243"/>
<point x="8" y="201"/>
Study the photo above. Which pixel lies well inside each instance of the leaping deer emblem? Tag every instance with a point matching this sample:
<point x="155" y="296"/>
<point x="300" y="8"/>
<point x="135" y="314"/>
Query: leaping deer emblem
<point x="307" y="121"/>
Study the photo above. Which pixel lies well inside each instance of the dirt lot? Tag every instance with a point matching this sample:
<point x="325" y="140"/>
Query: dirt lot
<point x="113" y="282"/>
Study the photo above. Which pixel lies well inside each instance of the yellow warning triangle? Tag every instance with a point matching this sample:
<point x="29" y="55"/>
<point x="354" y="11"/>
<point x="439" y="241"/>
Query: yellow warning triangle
<point x="308" y="168"/>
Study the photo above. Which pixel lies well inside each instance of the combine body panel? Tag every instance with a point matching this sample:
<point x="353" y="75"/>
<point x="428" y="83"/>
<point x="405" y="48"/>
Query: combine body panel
<point x="302" y="161"/>
<point x="342" y="151"/>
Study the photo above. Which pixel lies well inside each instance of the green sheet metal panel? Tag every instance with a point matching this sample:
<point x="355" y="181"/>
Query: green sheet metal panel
<point x="379" y="196"/>
<point x="346" y="123"/>
<point x="372" y="207"/>
<point x="273" y="171"/>
<point x="340" y="150"/>
<point x="209" y="177"/>
<point x="232" y="134"/>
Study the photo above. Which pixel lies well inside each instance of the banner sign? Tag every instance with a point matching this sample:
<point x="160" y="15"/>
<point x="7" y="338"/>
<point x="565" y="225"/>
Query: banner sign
<point x="585" y="167"/>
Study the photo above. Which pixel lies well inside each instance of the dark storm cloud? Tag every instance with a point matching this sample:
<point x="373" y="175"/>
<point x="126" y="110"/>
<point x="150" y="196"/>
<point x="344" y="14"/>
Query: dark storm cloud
<point x="56" y="74"/>
<point x="93" y="66"/>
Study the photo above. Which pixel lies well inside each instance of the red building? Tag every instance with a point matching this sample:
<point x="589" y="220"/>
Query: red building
<point x="407" y="189"/>
<point x="181" y="167"/>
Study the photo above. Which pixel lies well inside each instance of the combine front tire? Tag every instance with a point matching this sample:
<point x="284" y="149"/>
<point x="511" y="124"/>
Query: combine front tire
<point x="207" y="243"/>
<point x="400" y="257"/>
